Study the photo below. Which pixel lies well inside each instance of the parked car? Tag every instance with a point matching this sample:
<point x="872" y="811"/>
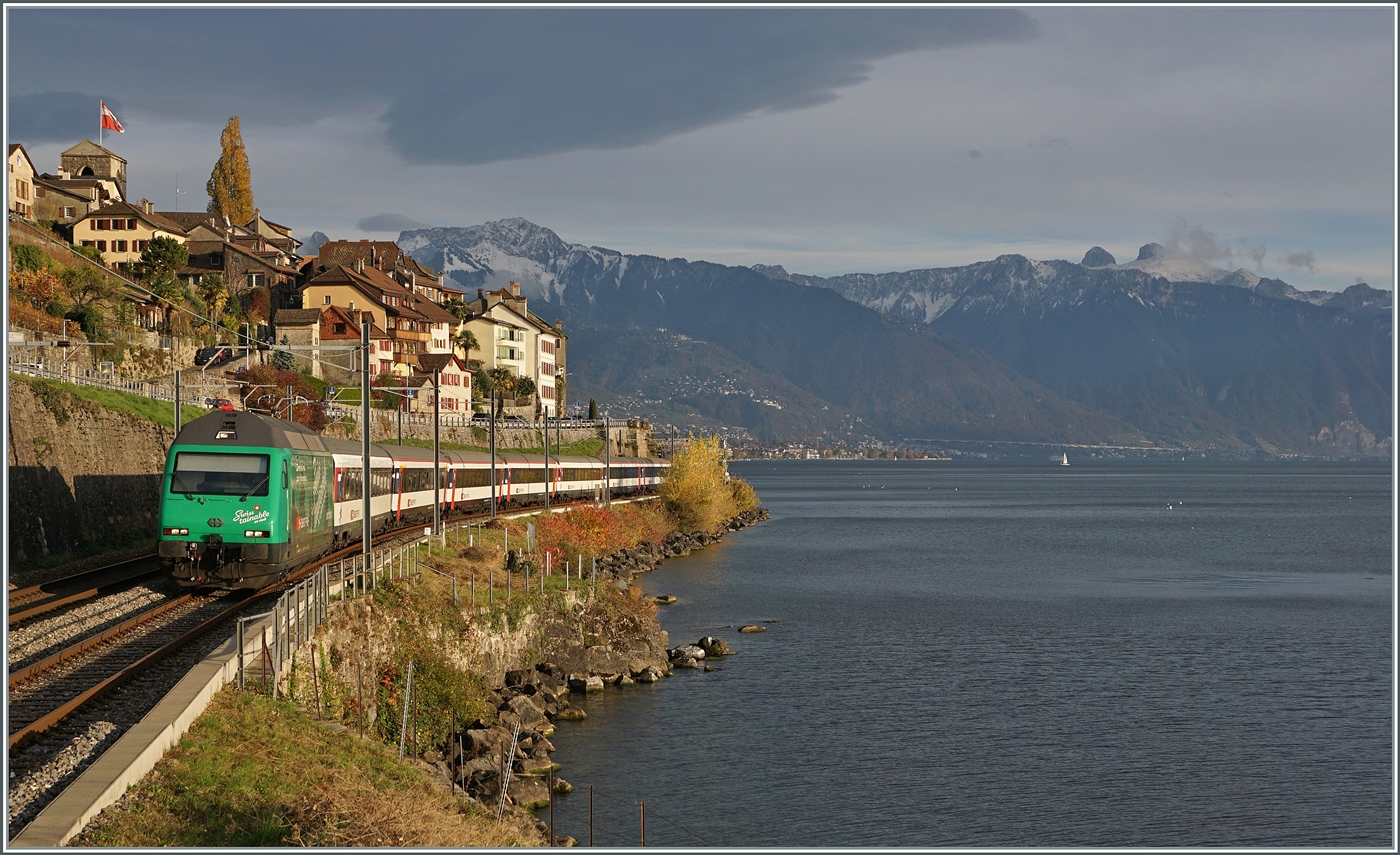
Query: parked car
<point x="221" y="404"/>
<point x="213" y="355"/>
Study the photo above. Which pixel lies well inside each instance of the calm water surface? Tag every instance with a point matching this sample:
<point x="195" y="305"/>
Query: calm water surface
<point x="997" y="655"/>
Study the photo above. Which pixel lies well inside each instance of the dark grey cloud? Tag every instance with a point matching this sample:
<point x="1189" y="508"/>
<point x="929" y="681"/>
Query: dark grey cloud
<point x="1300" y="261"/>
<point x="389" y="223"/>
<point x="58" y="116"/>
<point x="475" y="86"/>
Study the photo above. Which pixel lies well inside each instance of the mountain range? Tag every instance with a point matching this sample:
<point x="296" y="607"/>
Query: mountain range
<point x="1162" y="351"/>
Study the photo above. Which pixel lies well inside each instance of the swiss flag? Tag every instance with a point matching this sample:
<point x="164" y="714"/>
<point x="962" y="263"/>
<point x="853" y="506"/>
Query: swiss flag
<point x="109" y="120"/>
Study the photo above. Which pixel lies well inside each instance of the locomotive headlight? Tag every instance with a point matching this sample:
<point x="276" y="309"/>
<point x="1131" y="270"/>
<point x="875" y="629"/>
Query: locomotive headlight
<point x="257" y="534"/>
<point x="175" y="531"/>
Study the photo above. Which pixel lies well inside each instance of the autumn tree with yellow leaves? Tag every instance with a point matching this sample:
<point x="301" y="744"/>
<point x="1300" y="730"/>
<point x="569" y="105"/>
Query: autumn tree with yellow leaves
<point x="698" y="492"/>
<point x="230" y="185"/>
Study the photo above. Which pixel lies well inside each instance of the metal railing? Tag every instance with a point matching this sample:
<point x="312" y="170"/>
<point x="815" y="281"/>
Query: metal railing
<point x="30" y="365"/>
<point x="303" y="608"/>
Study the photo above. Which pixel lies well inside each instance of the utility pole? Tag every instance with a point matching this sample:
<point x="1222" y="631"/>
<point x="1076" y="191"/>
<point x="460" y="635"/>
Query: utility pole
<point x="607" y="463"/>
<point x="493" y="452"/>
<point x="437" y="453"/>
<point x="364" y="427"/>
<point x="435" y="362"/>
<point x="546" y="460"/>
<point x="177" y="399"/>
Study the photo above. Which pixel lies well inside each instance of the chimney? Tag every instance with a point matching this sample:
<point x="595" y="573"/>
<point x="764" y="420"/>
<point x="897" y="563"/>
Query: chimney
<point x="147" y="208"/>
<point x="480" y="293"/>
<point x="515" y="289"/>
<point x="359" y="265"/>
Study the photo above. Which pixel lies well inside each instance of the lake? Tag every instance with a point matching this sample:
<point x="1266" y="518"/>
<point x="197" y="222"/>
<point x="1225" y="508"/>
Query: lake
<point x="1104" y="654"/>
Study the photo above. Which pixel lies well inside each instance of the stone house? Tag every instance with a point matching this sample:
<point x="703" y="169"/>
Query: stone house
<point x="66" y="200"/>
<point x="301" y="328"/>
<point x="20" y="192"/>
<point x="87" y="159"/>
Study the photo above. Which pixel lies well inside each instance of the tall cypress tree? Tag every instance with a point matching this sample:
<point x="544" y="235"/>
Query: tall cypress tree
<point x="231" y="183"/>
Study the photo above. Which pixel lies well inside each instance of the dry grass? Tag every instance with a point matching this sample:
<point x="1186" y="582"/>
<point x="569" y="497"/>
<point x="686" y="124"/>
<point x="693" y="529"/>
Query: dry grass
<point x="257" y="772"/>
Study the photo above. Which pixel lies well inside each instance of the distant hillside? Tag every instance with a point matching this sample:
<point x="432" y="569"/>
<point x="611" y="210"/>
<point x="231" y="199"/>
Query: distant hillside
<point x="683" y="381"/>
<point x="1251" y="358"/>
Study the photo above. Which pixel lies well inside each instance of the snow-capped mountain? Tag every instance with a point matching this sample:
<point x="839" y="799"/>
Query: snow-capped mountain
<point x="1012" y="348"/>
<point x="491" y="254"/>
<point x="1034" y="286"/>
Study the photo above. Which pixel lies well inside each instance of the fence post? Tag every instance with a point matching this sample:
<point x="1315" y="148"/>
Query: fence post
<point x="407" y="698"/>
<point x="240" y="654"/>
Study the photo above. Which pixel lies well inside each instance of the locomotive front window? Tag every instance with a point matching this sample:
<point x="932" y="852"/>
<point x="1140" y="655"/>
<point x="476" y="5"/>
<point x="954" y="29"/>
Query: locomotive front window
<point x="201" y="474"/>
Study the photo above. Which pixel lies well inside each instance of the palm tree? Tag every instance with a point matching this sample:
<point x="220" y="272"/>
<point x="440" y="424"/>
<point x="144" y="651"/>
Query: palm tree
<point x="466" y="340"/>
<point x="503" y="381"/>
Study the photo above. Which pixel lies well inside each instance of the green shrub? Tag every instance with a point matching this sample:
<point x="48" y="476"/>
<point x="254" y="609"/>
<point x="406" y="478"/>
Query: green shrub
<point x="26" y="257"/>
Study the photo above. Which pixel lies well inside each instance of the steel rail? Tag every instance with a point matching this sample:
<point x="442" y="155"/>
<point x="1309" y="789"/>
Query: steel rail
<point x="29" y="672"/>
<point x="58" y="600"/>
<point x="57" y="715"/>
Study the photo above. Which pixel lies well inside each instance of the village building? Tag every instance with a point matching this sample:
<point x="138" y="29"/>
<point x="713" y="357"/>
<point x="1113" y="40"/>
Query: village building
<point x="300" y="328"/>
<point x="66" y="200"/>
<point x="87" y="159"/>
<point x="510" y="336"/>
<point x="454" y="386"/>
<point x="386" y="256"/>
<point x="275" y="234"/>
<point x="414" y="325"/>
<point x="122" y="231"/>
<point x="21" y="190"/>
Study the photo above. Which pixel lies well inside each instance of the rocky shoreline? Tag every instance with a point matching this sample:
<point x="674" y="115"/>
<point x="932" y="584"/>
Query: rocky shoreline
<point x="533" y="698"/>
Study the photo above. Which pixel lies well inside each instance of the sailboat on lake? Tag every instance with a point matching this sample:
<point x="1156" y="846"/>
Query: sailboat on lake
<point x="1064" y="459"/>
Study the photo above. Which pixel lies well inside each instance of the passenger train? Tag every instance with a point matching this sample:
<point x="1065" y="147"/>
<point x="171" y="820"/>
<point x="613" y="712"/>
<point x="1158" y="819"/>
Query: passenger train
<point x="248" y="498"/>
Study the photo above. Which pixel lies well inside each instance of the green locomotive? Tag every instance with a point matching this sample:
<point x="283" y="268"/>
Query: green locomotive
<point x="245" y="498"/>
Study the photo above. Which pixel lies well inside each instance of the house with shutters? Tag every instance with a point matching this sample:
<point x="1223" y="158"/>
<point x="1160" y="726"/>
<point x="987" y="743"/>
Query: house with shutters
<point x="122" y="231"/>
<point x="454" y="386"/>
<point x="21" y="182"/>
<point x="510" y="336"/>
<point x="387" y="257"/>
<point x="413" y="323"/>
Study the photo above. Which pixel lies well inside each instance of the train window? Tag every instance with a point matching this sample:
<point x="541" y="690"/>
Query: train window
<point x="419" y="480"/>
<point x="473" y="477"/>
<point x="527" y="476"/>
<point x="380" y="481"/>
<point x="203" y="474"/>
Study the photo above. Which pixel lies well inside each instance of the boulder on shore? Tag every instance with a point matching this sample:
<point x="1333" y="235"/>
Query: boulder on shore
<point x="688" y="651"/>
<point x="714" y="646"/>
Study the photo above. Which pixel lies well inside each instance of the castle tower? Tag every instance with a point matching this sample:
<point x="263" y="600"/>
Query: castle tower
<point x="87" y="159"/>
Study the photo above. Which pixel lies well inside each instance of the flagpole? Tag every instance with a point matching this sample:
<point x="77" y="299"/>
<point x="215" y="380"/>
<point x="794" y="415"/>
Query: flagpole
<point x="99" y="121"/>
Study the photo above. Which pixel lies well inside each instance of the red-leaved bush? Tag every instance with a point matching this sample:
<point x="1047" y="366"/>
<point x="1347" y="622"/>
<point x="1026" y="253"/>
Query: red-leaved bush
<point x="592" y="531"/>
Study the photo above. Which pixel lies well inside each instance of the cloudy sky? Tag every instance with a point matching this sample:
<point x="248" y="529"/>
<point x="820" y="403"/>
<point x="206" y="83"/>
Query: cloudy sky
<point x="827" y="141"/>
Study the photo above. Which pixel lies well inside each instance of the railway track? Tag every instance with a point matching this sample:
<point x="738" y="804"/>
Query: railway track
<point x="27" y="603"/>
<point x="73" y="700"/>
